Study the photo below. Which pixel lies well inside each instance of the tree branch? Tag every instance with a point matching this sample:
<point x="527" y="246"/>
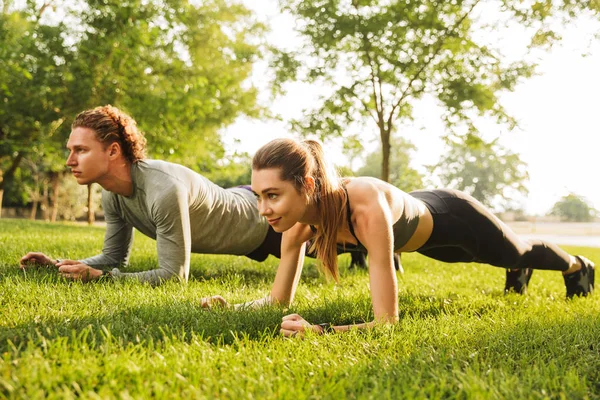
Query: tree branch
<point x="368" y="110"/>
<point x="43" y="8"/>
<point x="11" y="170"/>
<point x="436" y="51"/>
<point x="377" y="98"/>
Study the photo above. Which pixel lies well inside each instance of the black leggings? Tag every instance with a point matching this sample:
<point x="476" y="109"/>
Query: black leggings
<point x="464" y="230"/>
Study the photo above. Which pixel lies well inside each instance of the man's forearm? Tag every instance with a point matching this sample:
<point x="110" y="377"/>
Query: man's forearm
<point x="153" y="277"/>
<point x="101" y="261"/>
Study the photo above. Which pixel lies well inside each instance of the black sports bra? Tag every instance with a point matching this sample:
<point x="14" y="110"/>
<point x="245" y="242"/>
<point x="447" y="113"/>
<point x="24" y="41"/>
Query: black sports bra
<point x="403" y="228"/>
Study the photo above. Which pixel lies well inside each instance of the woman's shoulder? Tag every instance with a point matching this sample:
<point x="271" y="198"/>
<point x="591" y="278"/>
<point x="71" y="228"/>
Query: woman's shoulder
<point x="366" y="188"/>
<point x="362" y="183"/>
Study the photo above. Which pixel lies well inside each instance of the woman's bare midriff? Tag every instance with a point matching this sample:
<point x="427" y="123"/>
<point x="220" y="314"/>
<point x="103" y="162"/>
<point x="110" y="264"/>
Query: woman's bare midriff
<point x="423" y="231"/>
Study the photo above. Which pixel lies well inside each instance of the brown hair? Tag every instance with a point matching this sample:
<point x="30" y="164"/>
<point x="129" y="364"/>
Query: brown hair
<point x="297" y="160"/>
<point x="112" y="125"/>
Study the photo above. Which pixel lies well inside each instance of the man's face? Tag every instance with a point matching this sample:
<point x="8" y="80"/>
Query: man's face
<point x="88" y="159"/>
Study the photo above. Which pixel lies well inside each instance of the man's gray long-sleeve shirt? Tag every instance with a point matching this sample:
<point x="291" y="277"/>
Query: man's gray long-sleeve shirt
<point x="184" y="212"/>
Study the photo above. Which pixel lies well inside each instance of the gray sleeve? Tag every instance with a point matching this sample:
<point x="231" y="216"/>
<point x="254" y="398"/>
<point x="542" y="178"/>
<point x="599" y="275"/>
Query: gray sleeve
<point x="118" y="238"/>
<point x="170" y="212"/>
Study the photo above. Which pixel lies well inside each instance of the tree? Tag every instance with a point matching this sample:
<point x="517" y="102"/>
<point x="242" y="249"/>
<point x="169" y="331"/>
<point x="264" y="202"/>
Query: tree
<point x="401" y="174"/>
<point x="236" y="170"/>
<point x="573" y="208"/>
<point x="33" y="86"/>
<point x="486" y="170"/>
<point x="379" y="56"/>
<point x="179" y="68"/>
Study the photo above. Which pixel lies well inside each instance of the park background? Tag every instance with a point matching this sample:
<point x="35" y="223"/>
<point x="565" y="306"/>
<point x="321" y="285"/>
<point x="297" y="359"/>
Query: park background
<point x="512" y="122"/>
<point x="497" y="98"/>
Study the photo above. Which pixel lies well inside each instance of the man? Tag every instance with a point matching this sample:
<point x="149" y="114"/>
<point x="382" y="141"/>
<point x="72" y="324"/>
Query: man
<point x="182" y="210"/>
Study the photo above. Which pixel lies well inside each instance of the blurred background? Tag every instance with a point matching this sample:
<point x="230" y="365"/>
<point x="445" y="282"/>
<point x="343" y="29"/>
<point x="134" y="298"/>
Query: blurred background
<point x="496" y="98"/>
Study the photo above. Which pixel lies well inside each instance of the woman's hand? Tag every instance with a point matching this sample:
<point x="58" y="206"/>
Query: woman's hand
<point x="294" y="325"/>
<point x="209" y="302"/>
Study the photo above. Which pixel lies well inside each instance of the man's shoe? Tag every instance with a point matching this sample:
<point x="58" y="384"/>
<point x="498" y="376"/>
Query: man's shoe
<point x="358" y="259"/>
<point x="517" y="280"/>
<point x="580" y="283"/>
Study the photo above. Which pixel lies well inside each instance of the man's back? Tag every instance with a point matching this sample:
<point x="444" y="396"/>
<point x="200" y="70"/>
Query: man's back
<point x="184" y="212"/>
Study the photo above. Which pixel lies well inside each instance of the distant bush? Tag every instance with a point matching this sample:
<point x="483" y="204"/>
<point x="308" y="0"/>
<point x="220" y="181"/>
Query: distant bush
<point x="573" y="208"/>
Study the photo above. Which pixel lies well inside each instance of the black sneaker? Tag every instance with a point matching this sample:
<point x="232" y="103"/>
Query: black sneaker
<point x="580" y="283"/>
<point x="358" y="259"/>
<point x="398" y="263"/>
<point x="517" y="280"/>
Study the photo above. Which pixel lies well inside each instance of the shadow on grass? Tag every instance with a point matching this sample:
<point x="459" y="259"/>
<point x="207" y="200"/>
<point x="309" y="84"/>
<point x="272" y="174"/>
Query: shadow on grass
<point x="148" y="323"/>
<point x="251" y="273"/>
<point x="206" y="267"/>
<point x="186" y="320"/>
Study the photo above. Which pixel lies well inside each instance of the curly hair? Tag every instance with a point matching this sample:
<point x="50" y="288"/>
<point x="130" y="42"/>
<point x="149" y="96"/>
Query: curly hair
<point x="112" y="125"/>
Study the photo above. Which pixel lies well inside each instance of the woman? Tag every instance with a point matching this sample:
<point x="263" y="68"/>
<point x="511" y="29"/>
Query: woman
<point x="301" y="196"/>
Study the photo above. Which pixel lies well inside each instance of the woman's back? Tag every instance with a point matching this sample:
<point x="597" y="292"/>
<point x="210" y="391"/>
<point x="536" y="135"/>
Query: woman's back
<point x="412" y="222"/>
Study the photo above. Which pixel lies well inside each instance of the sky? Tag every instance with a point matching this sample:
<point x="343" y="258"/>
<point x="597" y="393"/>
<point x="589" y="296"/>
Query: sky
<point x="557" y="111"/>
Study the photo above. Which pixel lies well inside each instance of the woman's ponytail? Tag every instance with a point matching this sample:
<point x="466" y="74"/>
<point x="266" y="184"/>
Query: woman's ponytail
<point x="331" y="198"/>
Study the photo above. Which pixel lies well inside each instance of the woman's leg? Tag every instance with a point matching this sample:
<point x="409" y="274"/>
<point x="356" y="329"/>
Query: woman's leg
<point x="449" y="254"/>
<point x="467" y="227"/>
<point x="463" y="228"/>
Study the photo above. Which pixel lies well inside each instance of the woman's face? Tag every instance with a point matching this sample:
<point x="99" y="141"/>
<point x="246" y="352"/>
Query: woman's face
<point x="278" y="200"/>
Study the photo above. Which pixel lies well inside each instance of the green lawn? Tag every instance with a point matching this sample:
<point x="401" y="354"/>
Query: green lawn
<point x="458" y="335"/>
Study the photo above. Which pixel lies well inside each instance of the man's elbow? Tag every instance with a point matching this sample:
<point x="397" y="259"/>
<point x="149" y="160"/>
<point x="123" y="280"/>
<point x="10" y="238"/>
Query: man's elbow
<point x="181" y="276"/>
<point x="172" y="275"/>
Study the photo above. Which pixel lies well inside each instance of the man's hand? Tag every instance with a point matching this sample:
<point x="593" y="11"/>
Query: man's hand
<point x="294" y="325"/>
<point x="36" y="259"/>
<point x="209" y="302"/>
<point x="72" y="269"/>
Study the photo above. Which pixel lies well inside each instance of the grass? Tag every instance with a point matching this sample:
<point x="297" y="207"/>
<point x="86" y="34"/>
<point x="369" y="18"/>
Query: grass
<point x="458" y="335"/>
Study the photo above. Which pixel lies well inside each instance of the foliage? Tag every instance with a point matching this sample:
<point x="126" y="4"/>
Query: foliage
<point x="401" y="174"/>
<point x="573" y="208"/>
<point x="25" y="191"/>
<point x="486" y="170"/>
<point x="458" y="335"/>
<point x="232" y="171"/>
<point x="33" y="87"/>
<point x="380" y="56"/>
<point x="178" y="67"/>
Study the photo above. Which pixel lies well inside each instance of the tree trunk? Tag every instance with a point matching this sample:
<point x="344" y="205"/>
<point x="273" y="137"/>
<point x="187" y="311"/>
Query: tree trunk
<point x="385" y="160"/>
<point x="44" y="201"/>
<point x="35" y="195"/>
<point x="6" y="4"/>
<point x="34" y="207"/>
<point x="4" y="175"/>
<point x="90" y="206"/>
<point x="55" y="183"/>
